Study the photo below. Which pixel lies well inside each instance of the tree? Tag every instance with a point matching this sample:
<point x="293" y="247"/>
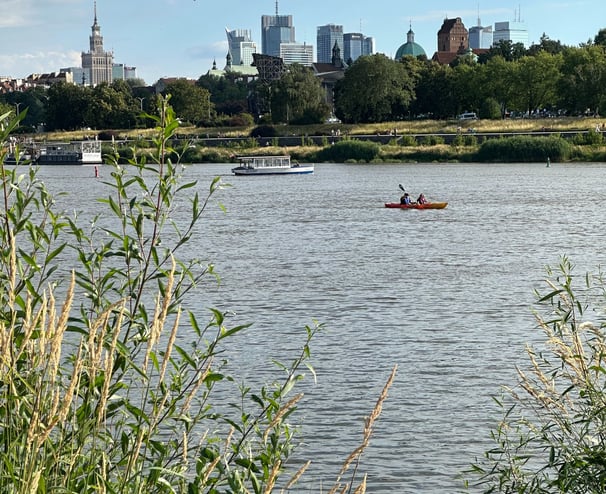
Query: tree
<point x="298" y="97"/>
<point x="536" y="80"/>
<point x="583" y="79"/>
<point x="496" y="78"/>
<point x="466" y="87"/>
<point x="551" y="435"/>
<point x="228" y="94"/>
<point x="600" y="38"/>
<point x="111" y="107"/>
<point x="190" y="102"/>
<point x="67" y="106"/>
<point x="374" y="89"/>
<point x="506" y="49"/>
<point x="548" y="45"/>
<point x="32" y="99"/>
<point x="435" y="92"/>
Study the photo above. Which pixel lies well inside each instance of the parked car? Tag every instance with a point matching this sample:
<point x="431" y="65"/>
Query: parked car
<point x="468" y="116"/>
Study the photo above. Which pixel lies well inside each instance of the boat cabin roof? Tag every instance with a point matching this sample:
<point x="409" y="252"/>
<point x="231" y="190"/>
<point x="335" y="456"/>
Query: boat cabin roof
<point x="265" y="161"/>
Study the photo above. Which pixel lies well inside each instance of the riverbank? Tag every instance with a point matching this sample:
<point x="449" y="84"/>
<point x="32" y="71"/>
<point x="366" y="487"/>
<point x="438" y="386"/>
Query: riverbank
<point x="408" y="142"/>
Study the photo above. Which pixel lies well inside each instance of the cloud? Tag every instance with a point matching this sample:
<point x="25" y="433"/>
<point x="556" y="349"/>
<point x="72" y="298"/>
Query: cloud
<point x="24" y="64"/>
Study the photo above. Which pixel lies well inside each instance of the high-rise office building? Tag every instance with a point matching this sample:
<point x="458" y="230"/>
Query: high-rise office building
<point x="326" y="38"/>
<point x="514" y="31"/>
<point x="97" y="62"/>
<point x="355" y="45"/>
<point x="480" y="37"/>
<point x="241" y="46"/>
<point x="301" y="53"/>
<point x="275" y="30"/>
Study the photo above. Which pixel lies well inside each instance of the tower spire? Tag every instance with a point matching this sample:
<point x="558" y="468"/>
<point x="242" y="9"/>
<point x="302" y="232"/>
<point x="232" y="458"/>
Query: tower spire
<point x="276" y="8"/>
<point x="95" y="8"/>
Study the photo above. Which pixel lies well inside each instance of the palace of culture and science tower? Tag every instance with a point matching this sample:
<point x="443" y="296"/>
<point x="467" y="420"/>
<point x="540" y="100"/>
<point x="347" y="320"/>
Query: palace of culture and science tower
<point x="97" y="62"/>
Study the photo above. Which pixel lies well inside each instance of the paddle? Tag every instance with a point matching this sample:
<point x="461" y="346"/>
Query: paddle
<point x="403" y="189"/>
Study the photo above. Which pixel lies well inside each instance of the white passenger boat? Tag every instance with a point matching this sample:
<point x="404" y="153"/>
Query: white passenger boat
<point x="71" y="153"/>
<point x="270" y="165"/>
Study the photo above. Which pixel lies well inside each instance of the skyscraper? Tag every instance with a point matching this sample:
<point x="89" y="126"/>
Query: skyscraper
<point x="480" y="36"/>
<point x="276" y="29"/>
<point x="514" y="31"/>
<point x="97" y="62"/>
<point x="326" y="38"/>
<point x="355" y="45"/>
<point x="241" y="46"/>
<point x="300" y="53"/>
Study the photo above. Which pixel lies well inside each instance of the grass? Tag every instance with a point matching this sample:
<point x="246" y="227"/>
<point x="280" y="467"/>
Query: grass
<point x="402" y="127"/>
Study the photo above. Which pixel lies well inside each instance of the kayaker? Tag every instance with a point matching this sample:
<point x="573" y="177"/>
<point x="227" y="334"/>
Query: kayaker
<point x="422" y="199"/>
<point x="405" y="199"/>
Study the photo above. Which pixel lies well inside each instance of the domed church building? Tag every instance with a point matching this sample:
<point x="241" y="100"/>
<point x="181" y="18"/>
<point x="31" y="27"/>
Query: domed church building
<point x="410" y="47"/>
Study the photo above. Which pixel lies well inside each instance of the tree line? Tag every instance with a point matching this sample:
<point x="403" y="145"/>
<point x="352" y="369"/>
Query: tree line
<point x="508" y="80"/>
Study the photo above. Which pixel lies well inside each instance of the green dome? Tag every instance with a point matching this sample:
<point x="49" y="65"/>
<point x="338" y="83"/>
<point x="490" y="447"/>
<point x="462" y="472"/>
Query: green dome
<point x="410" y="47"/>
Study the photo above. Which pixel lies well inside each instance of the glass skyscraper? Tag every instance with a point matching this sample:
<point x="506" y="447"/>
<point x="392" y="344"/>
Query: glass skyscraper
<point x="241" y="46"/>
<point x="326" y="38"/>
<point x="276" y="29"/>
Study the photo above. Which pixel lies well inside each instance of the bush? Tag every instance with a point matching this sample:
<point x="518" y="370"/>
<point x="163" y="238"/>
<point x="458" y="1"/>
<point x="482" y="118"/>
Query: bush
<point x="408" y="141"/>
<point x="491" y="109"/>
<point x="349" y="150"/>
<point x="108" y="135"/>
<point x="524" y="149"/>
<point x="241" y="120"/>
<point x="589" y="138"/>
<point x="264" y="131"/>
<point x="432" y="140"/>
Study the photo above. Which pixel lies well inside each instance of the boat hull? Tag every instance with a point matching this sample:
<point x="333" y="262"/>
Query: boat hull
<point x="294" y="170"/>
<point x="429" y="205"/>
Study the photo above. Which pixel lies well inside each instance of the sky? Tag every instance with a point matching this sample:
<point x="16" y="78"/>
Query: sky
<point x="182" y="38"/>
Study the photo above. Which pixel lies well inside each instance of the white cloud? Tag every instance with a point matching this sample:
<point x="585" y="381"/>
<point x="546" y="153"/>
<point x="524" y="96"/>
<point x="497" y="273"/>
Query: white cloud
<point x="24" y="64"/>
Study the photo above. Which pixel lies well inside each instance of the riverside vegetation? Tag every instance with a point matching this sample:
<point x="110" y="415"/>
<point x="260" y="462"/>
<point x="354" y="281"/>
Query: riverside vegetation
<point x="551" y="438"/>
<point x="512" y="140"/>
<point x="96" y="393"/>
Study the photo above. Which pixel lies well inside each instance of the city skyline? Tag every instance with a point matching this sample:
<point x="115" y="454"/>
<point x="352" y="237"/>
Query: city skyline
<point x="182" y="38"/>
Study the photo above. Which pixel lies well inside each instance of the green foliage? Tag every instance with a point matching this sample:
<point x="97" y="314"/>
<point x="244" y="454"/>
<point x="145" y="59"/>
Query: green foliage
<point x="524" y="149"/>
<point x="228" y="93"/>
<point x="349" y="150"/>
<point x="491" y="109"/>
<point x="374" y="89"/>
<point x="590" y="138"/>
<point x="432" y="140"/>
<point x="191" y="103"/>
<point x="550" y="438"/>
<point x="264" y="131"/>
<point x="97" y="392"/>
<point x="298" y="97"/>
<point x="408" y="141"/>
<point x="470" y="140"/>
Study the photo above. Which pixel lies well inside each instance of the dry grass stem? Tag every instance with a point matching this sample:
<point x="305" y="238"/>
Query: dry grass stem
<point x="368" y="428"/>
<point x="278" y="418"/>
<point x="295" y="478"/>
<point x="361" y="489"/>
<point x="169" y="345"/>
<point x="194" y="389"/>
<point x="273" y="475"/>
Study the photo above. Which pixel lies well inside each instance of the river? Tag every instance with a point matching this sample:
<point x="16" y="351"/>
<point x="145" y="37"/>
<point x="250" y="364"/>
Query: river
<point x="446" y="295"/>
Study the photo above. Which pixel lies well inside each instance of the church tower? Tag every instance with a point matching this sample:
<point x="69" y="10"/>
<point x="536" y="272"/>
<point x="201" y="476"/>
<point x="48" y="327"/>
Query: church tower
<point x="97" y="63"/>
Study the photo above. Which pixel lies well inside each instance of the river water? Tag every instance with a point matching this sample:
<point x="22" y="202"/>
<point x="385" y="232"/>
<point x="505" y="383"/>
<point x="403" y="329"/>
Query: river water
<point x="446" y="295"/>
